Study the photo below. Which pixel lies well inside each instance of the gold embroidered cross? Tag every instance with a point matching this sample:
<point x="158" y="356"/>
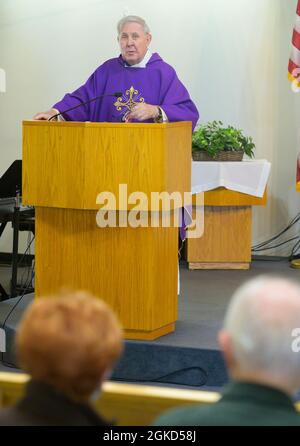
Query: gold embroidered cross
<point x="131" y="101"/>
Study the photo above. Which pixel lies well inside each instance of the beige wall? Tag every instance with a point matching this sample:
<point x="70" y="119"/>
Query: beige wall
<point x="231" y="54"/>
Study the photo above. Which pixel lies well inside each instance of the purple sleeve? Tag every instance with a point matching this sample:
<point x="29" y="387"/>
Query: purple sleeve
<point x="84" y="93"/>
<point x="177" y="103"/>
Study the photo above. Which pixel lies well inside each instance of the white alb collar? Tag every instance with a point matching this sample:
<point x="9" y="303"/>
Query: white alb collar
<point x="142" y="63"/>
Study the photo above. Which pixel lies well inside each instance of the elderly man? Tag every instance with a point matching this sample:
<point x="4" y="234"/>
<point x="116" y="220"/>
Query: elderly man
<point x="257" y="342"/>
<point x="150" y="90"/>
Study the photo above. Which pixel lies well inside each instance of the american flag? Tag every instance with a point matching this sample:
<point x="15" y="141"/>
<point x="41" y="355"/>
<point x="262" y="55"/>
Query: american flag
<point x="294" y="62"/>
<point x="298" y="174"/>
<point x="294" y="71"/>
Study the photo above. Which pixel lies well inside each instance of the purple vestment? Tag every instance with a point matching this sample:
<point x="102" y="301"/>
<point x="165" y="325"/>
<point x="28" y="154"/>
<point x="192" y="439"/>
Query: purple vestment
<point x="156" y="84"/>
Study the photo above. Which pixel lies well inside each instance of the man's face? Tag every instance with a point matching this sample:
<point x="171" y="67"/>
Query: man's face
<point x="133" y="43"/>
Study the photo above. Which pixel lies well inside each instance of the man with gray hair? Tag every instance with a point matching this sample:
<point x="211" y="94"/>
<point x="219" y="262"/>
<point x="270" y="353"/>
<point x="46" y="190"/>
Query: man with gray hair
<point x="257" y="342"/>
<point x="148" y="88"/>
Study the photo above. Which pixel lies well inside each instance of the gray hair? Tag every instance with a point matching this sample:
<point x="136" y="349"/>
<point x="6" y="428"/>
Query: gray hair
<point x="260" y="320"/>
<point x="132" y="19"/>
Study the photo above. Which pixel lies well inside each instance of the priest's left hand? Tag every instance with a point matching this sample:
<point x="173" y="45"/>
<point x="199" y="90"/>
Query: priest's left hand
<point x="142" y="112"/>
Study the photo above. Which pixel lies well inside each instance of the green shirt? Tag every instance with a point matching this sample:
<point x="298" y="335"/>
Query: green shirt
<point x="242" y="404"/>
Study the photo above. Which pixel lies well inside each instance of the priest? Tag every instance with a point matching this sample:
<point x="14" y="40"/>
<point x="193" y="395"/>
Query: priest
<point x="149" y="89"/>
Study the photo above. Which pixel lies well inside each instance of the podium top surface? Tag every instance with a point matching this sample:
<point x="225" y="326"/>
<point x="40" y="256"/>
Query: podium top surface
<point x="70" y="164"/>
<point x="128" y="125"/>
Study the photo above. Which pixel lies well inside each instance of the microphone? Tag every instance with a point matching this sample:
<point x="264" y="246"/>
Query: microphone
<point x="118" y="94"/>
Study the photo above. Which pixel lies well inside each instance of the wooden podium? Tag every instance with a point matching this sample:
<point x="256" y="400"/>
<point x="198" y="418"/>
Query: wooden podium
<point x="65" y="166"/>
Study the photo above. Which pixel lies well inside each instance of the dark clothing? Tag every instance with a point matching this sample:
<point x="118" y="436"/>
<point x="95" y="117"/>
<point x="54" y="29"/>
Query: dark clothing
<point x="44" y="406"/>
<point x="242" y="404"/>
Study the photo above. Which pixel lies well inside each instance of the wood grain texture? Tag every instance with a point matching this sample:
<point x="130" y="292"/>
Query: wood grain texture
<point x="118" y="401"/>
<point x="226" y="238"/>
<point x="133" y="270"/>
<point x="177" y="166"/>
<point x="149" y="335"/>
<point x="122" y="402"/>
<point x="67" y="164"/>
<point x="225" y="197"/>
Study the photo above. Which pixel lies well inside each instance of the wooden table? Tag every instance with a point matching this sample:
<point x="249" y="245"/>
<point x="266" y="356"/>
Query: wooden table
<point x="227" y="238"/>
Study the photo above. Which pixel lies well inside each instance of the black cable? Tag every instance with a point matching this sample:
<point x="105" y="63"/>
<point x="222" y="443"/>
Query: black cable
<point x="32" y="276"/>
<point x="29" y="243"/>
<point x="20" y="298"/>
<point x="26" y="268"/>
<point x="294" y="249"/>
<point x="116" y="95"/>
<point x="289" y="226"/>
<point x="28" y="247"/>
<point x="4" y="323"/>
<point x="181" y="246"/>
<point x="270" y="240"/>
<point x="276" y="246"/>
<point x="7" y="317"/>
<point x="161" y="378"/>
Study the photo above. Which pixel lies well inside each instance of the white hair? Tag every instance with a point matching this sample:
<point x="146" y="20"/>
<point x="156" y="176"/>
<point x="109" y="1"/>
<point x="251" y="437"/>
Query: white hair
<point x="260" y="320"/>
<point x="132" y="19"/>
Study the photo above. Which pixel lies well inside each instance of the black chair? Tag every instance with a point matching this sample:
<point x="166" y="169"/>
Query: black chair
<point x="21" y="217"/>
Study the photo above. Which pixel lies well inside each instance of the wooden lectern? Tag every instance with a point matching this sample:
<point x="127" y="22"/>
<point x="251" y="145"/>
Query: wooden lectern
<point x="65" y="166"/>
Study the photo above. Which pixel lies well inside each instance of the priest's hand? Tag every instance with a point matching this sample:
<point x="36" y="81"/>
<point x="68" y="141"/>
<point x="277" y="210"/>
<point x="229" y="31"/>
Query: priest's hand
<point x="44" y="116"/>
<point x="142" y="112"/>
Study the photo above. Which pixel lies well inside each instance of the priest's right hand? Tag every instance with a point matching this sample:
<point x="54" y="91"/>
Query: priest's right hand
<point x="44" y="116"/>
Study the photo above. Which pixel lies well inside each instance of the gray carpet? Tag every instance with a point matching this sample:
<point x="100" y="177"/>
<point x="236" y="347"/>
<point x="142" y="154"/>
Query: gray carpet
<point x="204" y="298"/>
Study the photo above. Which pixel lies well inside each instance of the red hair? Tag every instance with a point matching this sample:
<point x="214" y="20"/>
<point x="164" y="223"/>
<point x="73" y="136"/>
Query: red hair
<point x="69" y="341"/>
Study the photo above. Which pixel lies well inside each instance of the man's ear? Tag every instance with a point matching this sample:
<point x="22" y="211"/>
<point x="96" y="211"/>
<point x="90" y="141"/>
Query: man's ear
<point x="149" y="38"/>
<point x="226" y="346"/>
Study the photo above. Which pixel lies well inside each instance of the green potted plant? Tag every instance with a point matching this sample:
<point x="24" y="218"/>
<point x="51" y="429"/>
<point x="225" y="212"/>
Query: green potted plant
<point x="213" y="142"/>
